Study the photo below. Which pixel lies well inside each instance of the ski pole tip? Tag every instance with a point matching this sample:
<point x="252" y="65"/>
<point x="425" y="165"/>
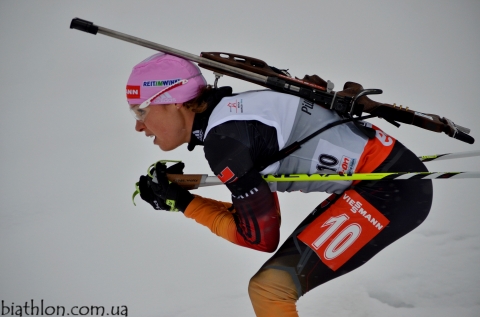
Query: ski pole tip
<point x="83" y="25"/>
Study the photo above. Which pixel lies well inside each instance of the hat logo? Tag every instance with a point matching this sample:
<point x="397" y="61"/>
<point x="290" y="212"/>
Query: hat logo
<point x="133" y="92"/>
<point x="159" y="83"/>
<point x="164" y="98"/>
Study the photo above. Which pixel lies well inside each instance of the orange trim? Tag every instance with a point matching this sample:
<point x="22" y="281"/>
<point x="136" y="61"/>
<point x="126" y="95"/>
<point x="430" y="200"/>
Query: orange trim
<point x="375" y="152"/>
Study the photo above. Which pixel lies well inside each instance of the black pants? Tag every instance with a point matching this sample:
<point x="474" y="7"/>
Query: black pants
<point x="405" y="203"/>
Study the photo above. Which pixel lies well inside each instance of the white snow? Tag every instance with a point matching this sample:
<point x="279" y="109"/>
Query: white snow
<point x="69" y="234"/>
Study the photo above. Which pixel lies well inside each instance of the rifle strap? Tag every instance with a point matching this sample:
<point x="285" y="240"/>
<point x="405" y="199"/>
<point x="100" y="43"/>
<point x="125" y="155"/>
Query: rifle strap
<point x="286" y="151"/>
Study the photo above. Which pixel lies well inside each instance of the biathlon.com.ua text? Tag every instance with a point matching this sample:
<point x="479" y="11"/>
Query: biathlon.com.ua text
<point x="35" y="308"/>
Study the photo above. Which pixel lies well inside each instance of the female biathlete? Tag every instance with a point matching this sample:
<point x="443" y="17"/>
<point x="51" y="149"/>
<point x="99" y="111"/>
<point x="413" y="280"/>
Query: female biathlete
<point x="239" y="133"/>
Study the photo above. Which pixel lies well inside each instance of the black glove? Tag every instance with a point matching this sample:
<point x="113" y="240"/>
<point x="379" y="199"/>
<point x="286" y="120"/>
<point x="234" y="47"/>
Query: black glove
<point x="162" y="194"/>
<point x="146" y="193"/>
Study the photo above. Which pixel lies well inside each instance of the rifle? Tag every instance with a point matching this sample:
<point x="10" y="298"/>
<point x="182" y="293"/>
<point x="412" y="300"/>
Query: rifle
<point x="351" y="101"/>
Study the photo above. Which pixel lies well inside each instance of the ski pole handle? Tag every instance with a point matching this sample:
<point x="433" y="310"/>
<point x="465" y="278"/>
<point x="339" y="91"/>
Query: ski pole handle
<point x="193" y="181"/>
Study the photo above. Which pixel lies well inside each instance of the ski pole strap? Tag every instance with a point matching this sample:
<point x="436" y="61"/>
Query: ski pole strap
<point x="135" y="193"/>
<point x="149" y="173"/>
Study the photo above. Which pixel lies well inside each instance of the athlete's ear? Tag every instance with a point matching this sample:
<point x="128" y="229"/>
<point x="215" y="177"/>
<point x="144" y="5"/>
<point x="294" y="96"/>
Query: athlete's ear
<point x="178" y="105"/>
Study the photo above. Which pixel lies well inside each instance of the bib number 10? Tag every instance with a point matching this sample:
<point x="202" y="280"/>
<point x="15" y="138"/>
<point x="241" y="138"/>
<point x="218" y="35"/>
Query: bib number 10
<point x="339" y="232"/>
<point x="341" y="240"/>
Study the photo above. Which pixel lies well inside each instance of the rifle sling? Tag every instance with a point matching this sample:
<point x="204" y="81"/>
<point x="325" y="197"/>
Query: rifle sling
<point x="286" y="151"/>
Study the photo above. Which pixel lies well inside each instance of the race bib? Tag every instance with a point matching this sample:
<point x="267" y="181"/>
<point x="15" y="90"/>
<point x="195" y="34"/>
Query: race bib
<point x="343" y="229"/>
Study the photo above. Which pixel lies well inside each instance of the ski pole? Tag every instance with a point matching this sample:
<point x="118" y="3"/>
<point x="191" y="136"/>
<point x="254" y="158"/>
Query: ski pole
<point x="448" y="156"/>
<point x="193" y="181"/>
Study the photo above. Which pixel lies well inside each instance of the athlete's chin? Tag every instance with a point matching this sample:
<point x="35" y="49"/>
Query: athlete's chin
<point x="166" y="149"/>
<point x="165" y="146"/>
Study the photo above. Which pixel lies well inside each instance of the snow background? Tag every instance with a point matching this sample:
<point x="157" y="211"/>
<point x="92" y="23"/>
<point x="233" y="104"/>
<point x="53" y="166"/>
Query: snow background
<point x="69" y="233"/>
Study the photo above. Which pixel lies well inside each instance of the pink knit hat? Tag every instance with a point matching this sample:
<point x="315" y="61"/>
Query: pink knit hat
<point x="159" y="72"/>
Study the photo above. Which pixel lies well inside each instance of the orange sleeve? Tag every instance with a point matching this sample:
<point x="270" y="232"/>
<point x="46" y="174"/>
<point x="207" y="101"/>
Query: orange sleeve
<point x="215" y="215"/>
<point x="259" y="232"/>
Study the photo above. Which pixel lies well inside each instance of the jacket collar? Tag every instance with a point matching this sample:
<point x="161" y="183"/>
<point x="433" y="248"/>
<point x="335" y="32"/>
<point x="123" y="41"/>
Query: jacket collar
<point x="200" y="122"/>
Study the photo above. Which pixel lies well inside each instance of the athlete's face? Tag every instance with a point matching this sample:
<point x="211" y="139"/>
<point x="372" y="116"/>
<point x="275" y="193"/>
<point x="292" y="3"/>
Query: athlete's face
<point x="171" y="125"/>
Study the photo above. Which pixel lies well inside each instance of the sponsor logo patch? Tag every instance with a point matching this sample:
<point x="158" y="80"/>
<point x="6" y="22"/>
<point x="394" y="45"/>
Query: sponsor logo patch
<point x="164" y="98"/>
<point x="236" y="106"/>
<point x="227" y="176"/>
<point x="384" y="138"/>
<point x="159" y="83"/>
<point x="346" y="165"/>
<point x="307" y="106"/>
<point x="133" y="92"/>
<point x="338" y="233"/>
<point x="198" y="134"/>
